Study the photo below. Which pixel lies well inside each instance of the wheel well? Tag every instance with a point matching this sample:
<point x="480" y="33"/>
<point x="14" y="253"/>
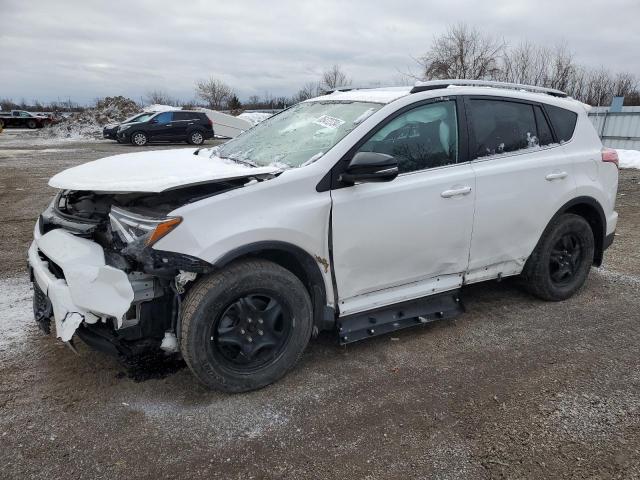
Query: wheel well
<point x="592" y="213"/>
<point x="302" y="265"/>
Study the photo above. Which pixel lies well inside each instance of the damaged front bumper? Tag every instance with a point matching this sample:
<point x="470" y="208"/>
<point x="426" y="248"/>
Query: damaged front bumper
<point x="72" y="273"/>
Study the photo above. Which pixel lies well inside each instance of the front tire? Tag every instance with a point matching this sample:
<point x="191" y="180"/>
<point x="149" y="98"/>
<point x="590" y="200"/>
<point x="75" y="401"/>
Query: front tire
<point x="560" y="263"/>
<point x="31" y="124"/>
<point x="196" y="138"/>
<point x="139" y="139"/>
<point x="245" y="326"/>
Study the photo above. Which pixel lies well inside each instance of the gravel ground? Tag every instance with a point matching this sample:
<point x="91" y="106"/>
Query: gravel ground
<point x="514" y="388"/>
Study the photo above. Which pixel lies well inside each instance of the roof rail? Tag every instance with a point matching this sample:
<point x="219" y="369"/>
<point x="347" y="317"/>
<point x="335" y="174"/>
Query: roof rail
<point x="437" y="84"/>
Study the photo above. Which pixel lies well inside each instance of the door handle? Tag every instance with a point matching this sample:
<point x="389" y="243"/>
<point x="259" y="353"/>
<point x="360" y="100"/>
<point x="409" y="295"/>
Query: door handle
<point x="556" y="176"/>
<point x="456" y="191"/>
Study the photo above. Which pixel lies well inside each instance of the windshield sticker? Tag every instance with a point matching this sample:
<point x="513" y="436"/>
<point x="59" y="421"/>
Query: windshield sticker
<point x="329" y="122"/>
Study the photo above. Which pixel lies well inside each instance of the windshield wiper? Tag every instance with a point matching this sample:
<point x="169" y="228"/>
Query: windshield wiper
<point x="237" y="160"/>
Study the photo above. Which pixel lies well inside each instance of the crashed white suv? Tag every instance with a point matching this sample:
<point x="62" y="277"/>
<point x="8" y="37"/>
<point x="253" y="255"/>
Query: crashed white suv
<point x="359" y="212"/>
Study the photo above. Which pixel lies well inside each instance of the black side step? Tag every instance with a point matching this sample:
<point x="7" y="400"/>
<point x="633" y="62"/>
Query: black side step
<point x="359" y="326"/>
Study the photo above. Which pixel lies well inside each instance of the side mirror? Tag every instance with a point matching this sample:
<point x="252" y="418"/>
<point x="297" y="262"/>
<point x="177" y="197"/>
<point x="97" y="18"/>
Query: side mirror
<point x="370" y="167"/>
<point x="153" y="120"/>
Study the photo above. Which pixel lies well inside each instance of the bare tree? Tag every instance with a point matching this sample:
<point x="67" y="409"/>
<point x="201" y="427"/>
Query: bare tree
<point x="159" y="97"/>
<point x="463" y="52"/>
<point x="214" y="92"/>
<point x="525" y="63"/>
<point x="308" y="90"/>
<point x="334" y="78"/>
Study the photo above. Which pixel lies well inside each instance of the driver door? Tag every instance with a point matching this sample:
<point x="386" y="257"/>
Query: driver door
<point x="409" y="237"/>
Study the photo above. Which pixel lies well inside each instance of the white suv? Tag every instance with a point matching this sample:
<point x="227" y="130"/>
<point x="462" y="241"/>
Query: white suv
<point x="361" y="211"/>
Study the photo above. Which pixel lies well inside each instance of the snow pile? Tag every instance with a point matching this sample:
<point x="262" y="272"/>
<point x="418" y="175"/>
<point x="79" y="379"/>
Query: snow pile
<point x="16" y="312"/>
<point x="254" y="117"/>
<point x="156" y="107"/>
<point x="88" y="124"/>
<point x="629" y="158"/>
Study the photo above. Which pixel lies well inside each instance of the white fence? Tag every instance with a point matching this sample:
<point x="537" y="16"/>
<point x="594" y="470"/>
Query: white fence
<point x="617" y="129"/>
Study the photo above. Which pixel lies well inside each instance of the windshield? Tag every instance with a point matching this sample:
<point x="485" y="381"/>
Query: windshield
<point x="299" y="135"/>
<point x="139" y="117"/>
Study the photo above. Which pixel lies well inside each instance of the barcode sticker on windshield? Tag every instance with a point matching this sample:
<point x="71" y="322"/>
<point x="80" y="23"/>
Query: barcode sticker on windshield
<point x="329" y="122"/>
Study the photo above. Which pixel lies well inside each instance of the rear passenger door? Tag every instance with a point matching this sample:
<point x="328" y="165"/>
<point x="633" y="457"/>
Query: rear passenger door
<point x="182" y="123"/>
<point x="522" y="179"/>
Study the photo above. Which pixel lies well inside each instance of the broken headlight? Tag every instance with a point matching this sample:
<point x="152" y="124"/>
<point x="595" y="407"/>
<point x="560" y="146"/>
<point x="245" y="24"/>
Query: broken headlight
<point x="132" y="227"/>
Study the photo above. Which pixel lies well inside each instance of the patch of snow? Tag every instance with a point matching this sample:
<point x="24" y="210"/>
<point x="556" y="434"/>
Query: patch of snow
<point x="156" y="107"/>
<point x="255" y="117"/>
<point x="629" y="158"/>
<point x="224" y="419"/>
<point x="16" y="312"/>
<point x="372" y="95"/>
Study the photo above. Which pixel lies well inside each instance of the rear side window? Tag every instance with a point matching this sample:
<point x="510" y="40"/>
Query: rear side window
<point x="544" y="131"/>
<point x="563" y="121"/>
<point x="186" y="116"/>
<point x="501" y="127"/>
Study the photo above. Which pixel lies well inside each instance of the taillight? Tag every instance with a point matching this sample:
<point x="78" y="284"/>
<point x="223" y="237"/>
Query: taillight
<point x="610" y="155"/>
<point x="210" y="122"/>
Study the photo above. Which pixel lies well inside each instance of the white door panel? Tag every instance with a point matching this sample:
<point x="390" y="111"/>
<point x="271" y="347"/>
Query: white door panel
<point x="411" y="230"/>
<point x="516" y="196"/>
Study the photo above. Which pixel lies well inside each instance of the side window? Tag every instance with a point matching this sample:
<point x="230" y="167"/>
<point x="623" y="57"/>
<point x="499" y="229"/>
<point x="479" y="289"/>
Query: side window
<point x="185" y="116"/>
<point x="501" y="126"/>
<point x="424" y="137"/>
<point x="563" y="121"/>
<point x="164" y="117"/>
<point x="544" y="131"/>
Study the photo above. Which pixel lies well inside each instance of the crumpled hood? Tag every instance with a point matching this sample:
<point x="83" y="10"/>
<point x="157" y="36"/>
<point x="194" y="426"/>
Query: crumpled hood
<point x="152" y="171"/>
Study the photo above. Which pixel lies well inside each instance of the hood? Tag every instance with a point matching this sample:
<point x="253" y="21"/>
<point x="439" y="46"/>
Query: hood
<point x="153" y="171"/>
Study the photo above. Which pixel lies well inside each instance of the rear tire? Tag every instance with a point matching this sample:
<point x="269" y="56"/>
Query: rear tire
<point x="139" y="139"/>
<point x="245" y="326"/>
<point x="196" y="138"/>
<point x="560" y="263"/>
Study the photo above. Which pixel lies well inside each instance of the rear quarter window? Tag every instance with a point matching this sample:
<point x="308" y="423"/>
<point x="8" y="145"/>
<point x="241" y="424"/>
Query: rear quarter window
<point x="563" y="122"/>
<point x="188" y="116"/>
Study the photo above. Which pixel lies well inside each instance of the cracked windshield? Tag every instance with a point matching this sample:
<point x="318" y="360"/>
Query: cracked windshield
<point x="299" y="135"/>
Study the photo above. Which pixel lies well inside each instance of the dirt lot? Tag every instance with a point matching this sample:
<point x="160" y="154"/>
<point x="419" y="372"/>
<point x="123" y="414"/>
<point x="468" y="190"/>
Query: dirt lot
<point x="514" y="388"/>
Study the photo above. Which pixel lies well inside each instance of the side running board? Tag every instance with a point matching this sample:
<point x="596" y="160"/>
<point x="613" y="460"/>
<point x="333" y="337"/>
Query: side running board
<point x="359" y="326"/>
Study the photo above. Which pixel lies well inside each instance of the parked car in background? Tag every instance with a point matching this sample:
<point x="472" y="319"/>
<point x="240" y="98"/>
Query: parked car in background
<point x="23" y="119"/>
<point x="360" y="212"/>
<point x="171" y="126"/>
<point x="226" y="125"/>
<point x="111" y="130"/>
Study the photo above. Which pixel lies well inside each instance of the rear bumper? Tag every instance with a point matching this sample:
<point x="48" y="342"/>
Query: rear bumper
<point x="72" y="273"/>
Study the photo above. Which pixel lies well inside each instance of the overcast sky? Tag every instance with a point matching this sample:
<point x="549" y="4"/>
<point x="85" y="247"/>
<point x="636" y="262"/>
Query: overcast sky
<point x="86" y="49"/>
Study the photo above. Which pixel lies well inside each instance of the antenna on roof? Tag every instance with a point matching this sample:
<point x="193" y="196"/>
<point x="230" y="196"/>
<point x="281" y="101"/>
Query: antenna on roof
<point x="437" y="84"/>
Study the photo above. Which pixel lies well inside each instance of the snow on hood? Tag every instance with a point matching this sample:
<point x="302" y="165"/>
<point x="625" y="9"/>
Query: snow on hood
<point x="153" y="171"/>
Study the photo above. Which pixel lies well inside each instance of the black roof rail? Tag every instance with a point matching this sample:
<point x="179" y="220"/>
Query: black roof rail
<point x="437" y="84"/>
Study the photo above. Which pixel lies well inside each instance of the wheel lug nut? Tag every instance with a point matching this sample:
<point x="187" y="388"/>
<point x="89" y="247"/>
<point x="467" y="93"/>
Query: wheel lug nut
<point x="242" y="331"/>
<point x="260" y="321"/>
<point x="249" y="339"/>
<point x="260" y="332"/>
<point x="249" y="320"/>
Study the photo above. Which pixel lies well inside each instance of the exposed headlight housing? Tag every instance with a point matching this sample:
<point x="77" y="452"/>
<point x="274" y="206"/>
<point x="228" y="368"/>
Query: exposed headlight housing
<point x="132" y="227"/>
